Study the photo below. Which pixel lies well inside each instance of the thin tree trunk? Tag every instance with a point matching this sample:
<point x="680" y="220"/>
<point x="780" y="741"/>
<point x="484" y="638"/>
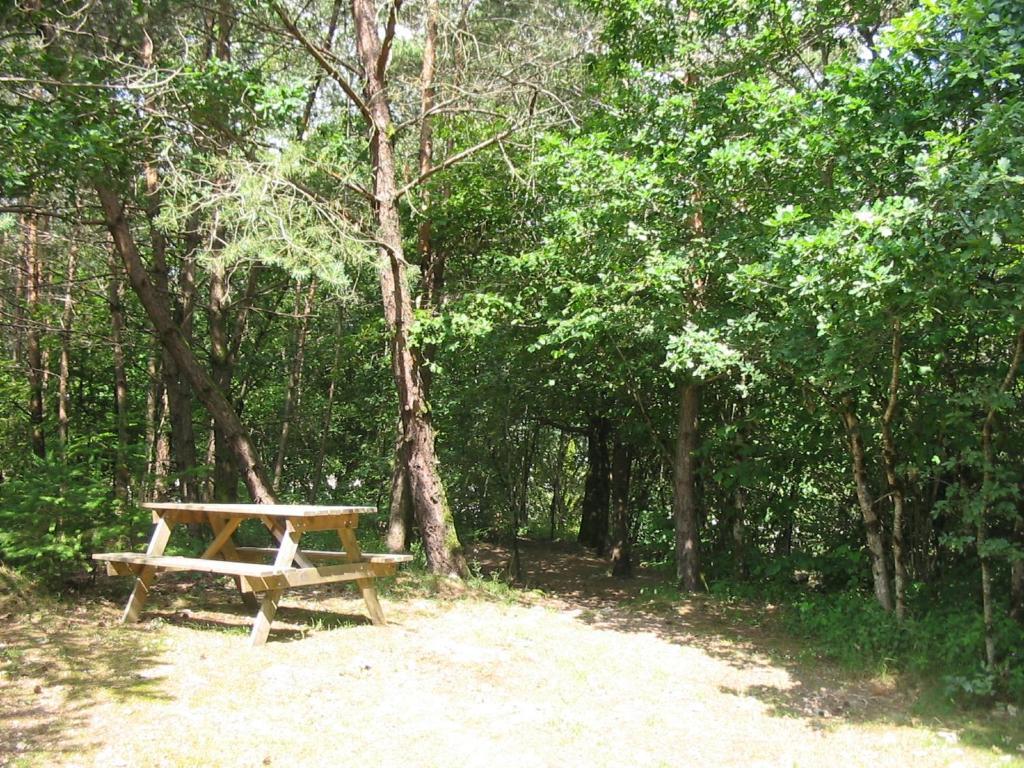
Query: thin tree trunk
<point x="64" y="376"/>
<point x="684" y="499"/>
<point x="521" y="509"/>
<point x="557" y="491"/>
<point x="115" y="301"/>
<point x="33" y="350"/>
<point x="621" y="549"/>
<point x="872" y="524"/>
<point x="162" y="451"/>
<point x="895" y="484"/>
<point x="739" y="532"/>
<point x="19" y="274"/>
<point x="1017" y="571"/>
<point x="325" y="427"/>
<point x="987" y="493"/>
<point x="433" y="515"/>
<point x="170" y="335"/>
<point x="293" y="392"/>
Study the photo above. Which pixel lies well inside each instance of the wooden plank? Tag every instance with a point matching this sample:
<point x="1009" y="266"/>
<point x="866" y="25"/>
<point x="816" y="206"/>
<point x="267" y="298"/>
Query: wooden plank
<point x="263" y="554"/>
<point x="223" y="537"/>
<point x="325" y="523"/>
<point x="188" y="517"/>
<point x="144" y="580"/>
<point x="268" y="608"/>
<point x="260" y="510"/>
<point x="326" y="574"/>
<point x="175" y="563"/>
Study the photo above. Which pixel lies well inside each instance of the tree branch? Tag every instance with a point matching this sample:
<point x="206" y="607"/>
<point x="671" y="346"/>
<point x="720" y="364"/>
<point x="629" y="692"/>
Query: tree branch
<point x="321" y="59"/>
<point x="458" y="157"/>
<point x="389" y="37"/>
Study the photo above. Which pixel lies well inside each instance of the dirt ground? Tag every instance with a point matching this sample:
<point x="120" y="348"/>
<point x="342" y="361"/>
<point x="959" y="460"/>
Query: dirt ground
<point x="577" y="669"/>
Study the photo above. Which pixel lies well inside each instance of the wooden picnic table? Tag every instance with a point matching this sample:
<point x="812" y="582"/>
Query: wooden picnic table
<point x="266" y="570"/>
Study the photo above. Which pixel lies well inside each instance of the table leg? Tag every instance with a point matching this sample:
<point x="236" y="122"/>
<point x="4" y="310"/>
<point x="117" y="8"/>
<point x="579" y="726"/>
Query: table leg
<point x="367" y="586"/>
<point x="157" y="544"/>
<point x="265" y="616"/>
<point x="225" y="547"/>
<point x="276" y="531"/>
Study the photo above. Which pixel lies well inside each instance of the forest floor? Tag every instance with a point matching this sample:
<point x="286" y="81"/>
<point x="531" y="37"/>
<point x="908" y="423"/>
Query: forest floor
<point x="575" y="669"/>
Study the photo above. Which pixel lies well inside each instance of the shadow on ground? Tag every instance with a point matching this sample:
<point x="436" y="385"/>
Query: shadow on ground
<point x="57" y="661"/>
<point x="211" y="604"/>
<point x="745" y="636"/>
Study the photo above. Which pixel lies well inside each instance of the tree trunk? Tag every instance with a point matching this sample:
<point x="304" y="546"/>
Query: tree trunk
<point x="170" y="336"/>
<point x="293" y="391"/>
<point x="433" y="515"/>
<point x="400" y="515"/>
<point x="64" y="376"/>
<point x="325" y="426"/>
<point x="739" y="533"/>
<point x="895" y="484"/>
<point x="988" y="492"/>
<point x="620" y="547"/>
<point x="115" y="295"/>
<point x="596" y="492"/>
<point x="684" y="498"/>
<point x="176" y="389"/>
<point x="872" y="525"/>
<point x="521" y="509"/>
<point x="557" y="491"/>
<point x="1017" y="571"/>
<point x="225" y="481"/>
<point x="32" y="281"/>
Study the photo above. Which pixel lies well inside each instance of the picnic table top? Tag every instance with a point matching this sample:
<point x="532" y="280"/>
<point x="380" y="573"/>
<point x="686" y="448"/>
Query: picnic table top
<point x="262" y="510"/>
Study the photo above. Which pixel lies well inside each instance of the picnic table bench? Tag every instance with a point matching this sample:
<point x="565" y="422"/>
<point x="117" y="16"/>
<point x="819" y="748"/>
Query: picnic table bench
<point x="266" y="570"/>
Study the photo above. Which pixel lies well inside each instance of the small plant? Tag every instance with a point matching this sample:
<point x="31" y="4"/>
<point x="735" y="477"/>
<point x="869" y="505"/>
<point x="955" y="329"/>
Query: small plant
<point x="979" y="685"/>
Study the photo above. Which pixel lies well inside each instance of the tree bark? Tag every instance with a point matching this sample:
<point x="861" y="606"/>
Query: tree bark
<point x="170" y="335"/>
<point x="557" y="511"/>
<point x="325" y="426"/>
<point x="176" y="389"/>
<point x="596" y="492"/>
<point x="293" y="391"/>
<point x="1017" y="571"/>
<point x="433" y="515"/>
<point x="400" y="513"/>
<point x="620" y="545"/>
<point x="872" y="524"/>
<point x="32" y="281"/>
<point x="64" y="375"/>
<point x="988" y="491"/>
<point x="684" y="499"/>
<point x="225" y="481"/>
<point x="894" y="482"/>
<point x="115" y="301"/>
<point x="521" y="508"/>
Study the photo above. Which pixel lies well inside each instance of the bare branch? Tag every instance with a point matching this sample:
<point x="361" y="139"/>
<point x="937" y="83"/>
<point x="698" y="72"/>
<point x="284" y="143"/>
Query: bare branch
<point x="458" y="157"/>
<point x="389" y="37"/>
<point x="321" y="59"/>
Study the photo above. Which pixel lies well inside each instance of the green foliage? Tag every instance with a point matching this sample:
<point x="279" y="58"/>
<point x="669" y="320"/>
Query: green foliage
<point x="57" y="511"/>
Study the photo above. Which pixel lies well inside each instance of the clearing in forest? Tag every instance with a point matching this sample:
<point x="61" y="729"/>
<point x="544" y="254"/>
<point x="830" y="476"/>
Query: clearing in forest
<point x="577" y="670"/>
